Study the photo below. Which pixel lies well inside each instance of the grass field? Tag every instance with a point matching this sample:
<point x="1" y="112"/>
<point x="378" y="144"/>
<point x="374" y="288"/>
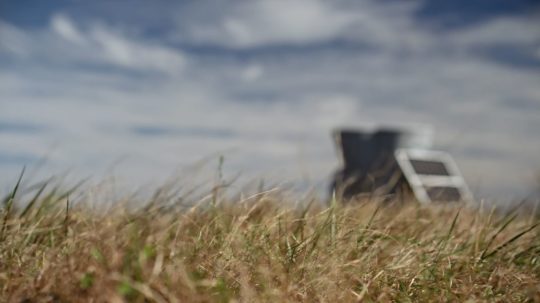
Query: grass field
<point x="264" y="247"/>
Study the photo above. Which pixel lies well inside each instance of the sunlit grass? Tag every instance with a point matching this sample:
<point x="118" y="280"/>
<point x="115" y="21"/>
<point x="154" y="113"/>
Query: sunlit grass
<point x="263" y="247"/>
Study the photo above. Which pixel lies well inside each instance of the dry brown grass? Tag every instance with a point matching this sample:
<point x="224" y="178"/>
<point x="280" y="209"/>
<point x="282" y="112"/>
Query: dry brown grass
<point x="263" y="249"/>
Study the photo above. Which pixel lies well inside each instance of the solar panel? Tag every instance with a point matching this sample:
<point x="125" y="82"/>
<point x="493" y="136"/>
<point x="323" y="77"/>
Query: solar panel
<point x="432" y="175"/>
<point x="443" y="193"/>
<point x="424" y="167"/>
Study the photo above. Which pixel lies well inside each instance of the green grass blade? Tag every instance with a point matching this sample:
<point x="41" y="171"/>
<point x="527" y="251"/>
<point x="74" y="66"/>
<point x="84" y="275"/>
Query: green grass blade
<point x="509" y="241"/>
<point x="503" y="227"/>
<point x="9" y="204"/>
<point x="32" y="202"/>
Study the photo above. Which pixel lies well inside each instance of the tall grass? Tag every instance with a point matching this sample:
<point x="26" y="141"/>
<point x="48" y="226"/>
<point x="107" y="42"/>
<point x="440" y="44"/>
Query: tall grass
<point x="262" y="248"/>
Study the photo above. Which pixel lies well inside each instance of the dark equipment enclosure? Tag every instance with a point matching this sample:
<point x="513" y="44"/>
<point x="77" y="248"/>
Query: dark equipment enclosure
<point x="396" y="163"/>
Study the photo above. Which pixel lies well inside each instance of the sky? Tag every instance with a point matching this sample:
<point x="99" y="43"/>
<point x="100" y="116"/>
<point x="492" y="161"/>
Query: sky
<point x="145" y="90"/>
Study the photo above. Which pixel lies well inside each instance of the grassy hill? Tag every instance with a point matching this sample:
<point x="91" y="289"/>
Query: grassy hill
<point x="263" y="248"/>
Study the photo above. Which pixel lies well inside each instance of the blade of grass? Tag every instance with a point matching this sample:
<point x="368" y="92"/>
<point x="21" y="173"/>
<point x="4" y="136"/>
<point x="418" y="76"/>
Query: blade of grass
<point x="301" y="220"/>
<point x="34" y="200"/>
<point x="509" y="241"/>
<point x="9" y="204"/>
<point x="444" y="242"/>
<point x="66" y="219"/>
<point x="52" y="197"/>
<point x="503" y="227"/>
<point x="45" y="202"/>
<point x="368" y="224"/>
<point x="319" y="230"/>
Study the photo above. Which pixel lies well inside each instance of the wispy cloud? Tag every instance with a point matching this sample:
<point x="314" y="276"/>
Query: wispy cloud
<point x="259" y="23"/>
<point x="64" y="43"/>
<point x="275" y="79"/>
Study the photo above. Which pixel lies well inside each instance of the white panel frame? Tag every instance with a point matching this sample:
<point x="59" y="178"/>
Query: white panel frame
<point x="419" y="182"/>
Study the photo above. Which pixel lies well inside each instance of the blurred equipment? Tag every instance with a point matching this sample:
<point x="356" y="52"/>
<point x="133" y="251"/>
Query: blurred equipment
<point x="396" y="162"/>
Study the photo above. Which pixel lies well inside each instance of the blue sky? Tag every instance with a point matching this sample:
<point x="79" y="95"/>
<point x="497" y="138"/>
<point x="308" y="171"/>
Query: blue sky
<point x="141" y="90"/>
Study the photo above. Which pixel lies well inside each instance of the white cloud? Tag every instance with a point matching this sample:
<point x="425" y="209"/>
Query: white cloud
<point x="13" y="40"/>
<point x="252" y="72"/>
<point x="135" y="54"/>
<point x="65" y="43"/>
<point x="63" y="26"/>
<point x="384" y="26"/>
<point x="263" y="22"/>
<point x="278" y="108"/>
<point x="505" y="30"/>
